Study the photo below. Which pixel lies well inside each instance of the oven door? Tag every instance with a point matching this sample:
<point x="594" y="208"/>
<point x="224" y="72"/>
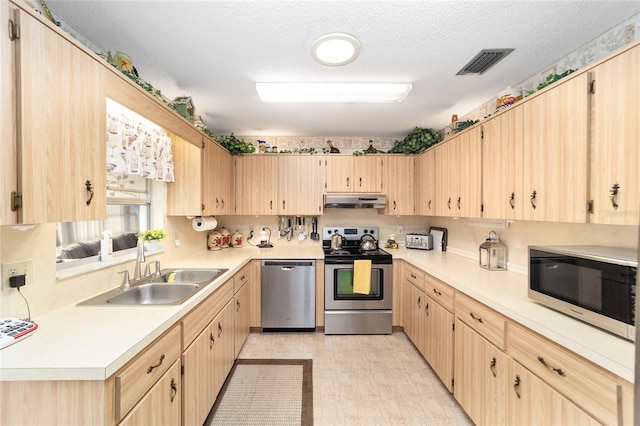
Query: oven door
<point x="338" y="285"/>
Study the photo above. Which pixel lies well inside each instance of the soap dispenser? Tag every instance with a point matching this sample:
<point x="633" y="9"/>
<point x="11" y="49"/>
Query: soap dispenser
<point x="106" y="247"/>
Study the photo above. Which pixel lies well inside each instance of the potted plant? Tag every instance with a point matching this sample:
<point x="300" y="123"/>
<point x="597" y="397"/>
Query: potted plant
<point x="152" y="238"/>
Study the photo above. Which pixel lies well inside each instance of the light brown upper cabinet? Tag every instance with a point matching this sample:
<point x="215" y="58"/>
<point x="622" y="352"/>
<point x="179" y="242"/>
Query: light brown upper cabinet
<point x="8" y="172"/>
<point x="256" y="184"/>
<point x="300" y="188"/>
<point x="425" y="183"/>
<point x="615" y="148"/>
<point x="61" y="122"/>
<point x="502" y="196"/>
<point x="555" y="152"/>
<point x="399" y="184"/>
<point x="347" y="173"/>
<point x="218" y="191"/>
<point x="457" y="175"/>
<point x="204" y="181"/>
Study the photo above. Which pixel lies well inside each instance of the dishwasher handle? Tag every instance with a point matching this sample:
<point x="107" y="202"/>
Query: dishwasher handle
<point x="288" y="263"/>
<point x="288" y="268"/>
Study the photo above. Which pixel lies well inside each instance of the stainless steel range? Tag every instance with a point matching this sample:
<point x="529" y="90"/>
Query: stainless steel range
<point x="345" y="310"/>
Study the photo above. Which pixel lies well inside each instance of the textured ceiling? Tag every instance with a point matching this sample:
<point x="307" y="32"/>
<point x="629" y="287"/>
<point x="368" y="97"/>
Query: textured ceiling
<point x="215" y="51"/>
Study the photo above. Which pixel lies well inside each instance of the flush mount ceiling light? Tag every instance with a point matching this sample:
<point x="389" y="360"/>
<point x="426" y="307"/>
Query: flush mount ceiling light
<point x="336" y="49"/>
<point x="333" y="92"/>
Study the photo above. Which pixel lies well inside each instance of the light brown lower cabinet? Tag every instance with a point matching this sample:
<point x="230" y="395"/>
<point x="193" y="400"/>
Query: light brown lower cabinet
<point x="162" y="405"/>
<point x="438" y="340"/>
<point x="530" y="401"/>
<point x="480" y="377"/>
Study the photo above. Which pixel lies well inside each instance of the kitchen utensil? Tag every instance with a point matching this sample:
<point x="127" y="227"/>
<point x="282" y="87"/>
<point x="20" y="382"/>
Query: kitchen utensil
<point x="300" y="229"/>
<point x="314" y="228"/>
<point x="289" y="229"/>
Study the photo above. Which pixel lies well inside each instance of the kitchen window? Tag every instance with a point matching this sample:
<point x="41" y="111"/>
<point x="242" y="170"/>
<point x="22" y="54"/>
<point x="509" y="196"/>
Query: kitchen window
<point x="128" y="212"/>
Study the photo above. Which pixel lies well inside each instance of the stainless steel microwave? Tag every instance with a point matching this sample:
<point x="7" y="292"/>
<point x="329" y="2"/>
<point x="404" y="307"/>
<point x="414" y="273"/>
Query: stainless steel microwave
<point x="595" y="284"/>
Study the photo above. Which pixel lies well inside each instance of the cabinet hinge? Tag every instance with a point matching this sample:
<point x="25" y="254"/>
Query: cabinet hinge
<point x="16" y="201"/>
<point x="14" y="30"/>
<point x="590" y="206"/>
<point x="592" y="87"/>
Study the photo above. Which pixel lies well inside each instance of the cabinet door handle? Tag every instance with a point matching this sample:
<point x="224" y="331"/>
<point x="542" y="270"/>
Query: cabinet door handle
<point x="217" y="202"/>
<point x="223" y="203"/>
<point x="394" y="203"/>
<point x="219" y="329"/>
<point x="360" y="181"/>
<point x="174" y="389"/>
<point x="516" y="386"/>
<point x="426" y="308"/>
<point x="458" y="202"/>
<point x="429" y="204"/>
<point x="533" y="199"/>
<point x="347" y="182"/>
<point x="151" y="367"/>
<point x="449" y="203"/>
<point x="557" y="370"/>
<point x="512" y="200"/>
<point x="437" y="292"/>
<point x="270" y="204"/>
<point x="492" y="366"/>
<point x="612" y="195"/>
<point x="283" y="204"/>
<point x="212" y="340"/>
<point x="89" y="191"/>
<point x="237" y="305"/>
<point x="419" y="300"/>
<point x="476" y="318"/>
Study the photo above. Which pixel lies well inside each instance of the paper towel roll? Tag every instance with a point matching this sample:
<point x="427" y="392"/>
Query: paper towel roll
<point x="206" y="223"/>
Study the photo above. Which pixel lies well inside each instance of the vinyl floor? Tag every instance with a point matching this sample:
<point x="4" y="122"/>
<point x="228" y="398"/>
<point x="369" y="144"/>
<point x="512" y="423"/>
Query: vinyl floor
<point x="364" y="379"/>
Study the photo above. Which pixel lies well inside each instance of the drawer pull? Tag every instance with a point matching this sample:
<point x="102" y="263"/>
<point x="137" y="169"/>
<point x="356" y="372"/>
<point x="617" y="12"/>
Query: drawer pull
<point x="413" y="276"/>
<point x="212" y="340"/>
<point x="516" y="386"/>
<point x="557" y="370"/>
<point x="476" y="318"/>
<point x="492" y="366"/>
<point x="219" y="329"/>
<point x="174" y="389"/>
<point x="437" y="292"/>
<point x="151" y="367"/>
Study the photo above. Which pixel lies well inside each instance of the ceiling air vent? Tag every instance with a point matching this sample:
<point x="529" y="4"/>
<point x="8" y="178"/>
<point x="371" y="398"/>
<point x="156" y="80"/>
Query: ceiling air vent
<point x="483" y="61"/>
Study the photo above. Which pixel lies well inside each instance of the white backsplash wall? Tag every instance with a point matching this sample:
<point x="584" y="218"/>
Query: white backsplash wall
<point x="521" y="234"/>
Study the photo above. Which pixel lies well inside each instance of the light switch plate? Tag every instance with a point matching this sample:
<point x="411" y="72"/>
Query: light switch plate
<point x="24" y="267"/>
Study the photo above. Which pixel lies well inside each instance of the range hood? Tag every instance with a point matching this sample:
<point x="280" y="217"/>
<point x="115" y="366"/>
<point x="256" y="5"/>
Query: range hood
<point x="355" y="201"/>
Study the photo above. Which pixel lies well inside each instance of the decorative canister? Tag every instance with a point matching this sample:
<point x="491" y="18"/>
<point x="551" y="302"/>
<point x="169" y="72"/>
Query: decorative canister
<point x="236" y="240"/>
<point x="226" y="237"/>
<point x="214" y="240"/>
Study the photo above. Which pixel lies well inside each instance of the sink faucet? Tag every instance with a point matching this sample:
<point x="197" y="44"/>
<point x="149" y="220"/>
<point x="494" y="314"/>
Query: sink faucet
<point x="126" y="284"/>
<point x="140" y="260"/>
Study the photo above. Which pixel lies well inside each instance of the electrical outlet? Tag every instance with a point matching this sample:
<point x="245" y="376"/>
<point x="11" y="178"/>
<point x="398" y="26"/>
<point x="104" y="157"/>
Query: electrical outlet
<point x="24" y="267"/>
<point x="400" y="229"/>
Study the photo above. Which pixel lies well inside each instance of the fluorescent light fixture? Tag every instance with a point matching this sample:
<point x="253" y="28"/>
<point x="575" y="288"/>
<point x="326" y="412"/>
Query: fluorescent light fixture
<point x="334" y="50"/>
<point x="490" y="223"/>
<point x="333" y="92"/>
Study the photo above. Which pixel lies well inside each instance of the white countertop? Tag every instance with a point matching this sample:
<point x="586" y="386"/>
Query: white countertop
<point x="93" y="342"/>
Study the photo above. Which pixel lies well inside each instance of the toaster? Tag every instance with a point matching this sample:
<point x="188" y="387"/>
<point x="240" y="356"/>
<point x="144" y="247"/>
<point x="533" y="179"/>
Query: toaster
<point x="419" y="241"/>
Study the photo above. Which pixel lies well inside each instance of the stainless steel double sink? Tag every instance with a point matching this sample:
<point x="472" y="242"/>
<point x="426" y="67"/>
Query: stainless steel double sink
<point x="171" y="287"/>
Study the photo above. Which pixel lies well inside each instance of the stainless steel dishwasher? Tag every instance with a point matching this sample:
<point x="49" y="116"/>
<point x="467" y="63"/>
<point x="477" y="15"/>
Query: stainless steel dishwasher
<point x="288" y="295"/>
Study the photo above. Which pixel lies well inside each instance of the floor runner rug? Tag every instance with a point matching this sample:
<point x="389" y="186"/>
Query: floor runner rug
<point x="266" y="392"/>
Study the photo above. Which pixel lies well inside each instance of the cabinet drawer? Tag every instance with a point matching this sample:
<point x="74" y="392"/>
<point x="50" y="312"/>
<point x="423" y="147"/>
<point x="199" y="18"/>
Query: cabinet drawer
<point x="586" y="384"/>
<point x="413" y="275"/>
<point x="242" y="277"/>
<point x="439" y="291"/>
<point x="136" y="378"/>
<point x="482" y="319"/>
<point x="196" y="320"/>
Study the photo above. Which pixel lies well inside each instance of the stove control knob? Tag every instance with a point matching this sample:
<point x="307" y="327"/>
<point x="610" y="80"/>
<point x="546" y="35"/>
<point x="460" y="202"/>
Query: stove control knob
<point x="335" y="231"/>
<point x="329" y="232"/>
<point x="366" y="231"/>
